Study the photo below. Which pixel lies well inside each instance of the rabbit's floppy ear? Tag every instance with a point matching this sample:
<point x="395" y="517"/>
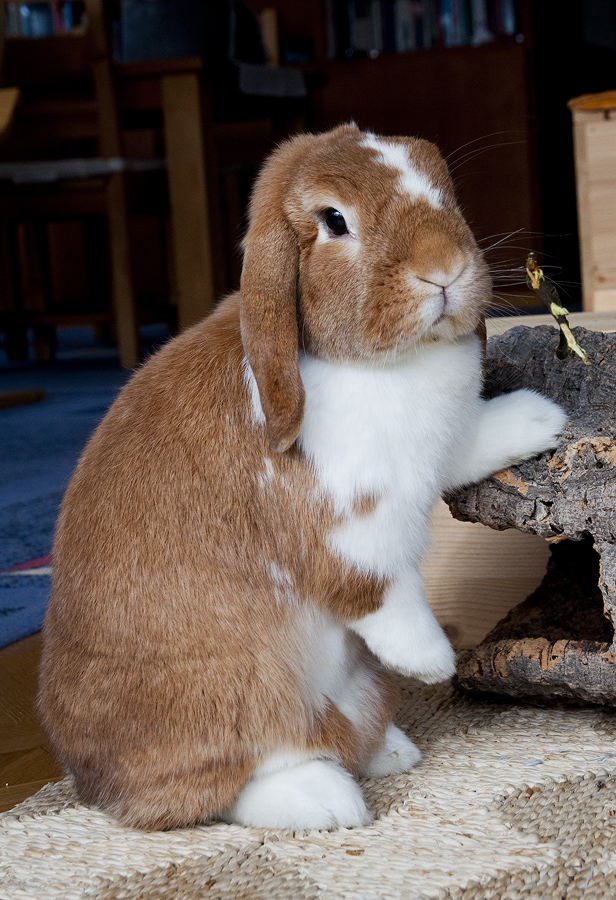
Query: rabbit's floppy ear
<point x="269" y="307"/>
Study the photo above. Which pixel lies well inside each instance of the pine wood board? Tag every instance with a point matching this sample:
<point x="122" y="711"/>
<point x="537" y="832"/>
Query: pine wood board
<point x="594" y="136"/>
<point x="9" y="97"/>
<point x="26" y="760"/>
<point x="594" y="321"/>
<point x="606" y="100"/>
<point x="12" y="794"/>
<point x="474" y="575"/>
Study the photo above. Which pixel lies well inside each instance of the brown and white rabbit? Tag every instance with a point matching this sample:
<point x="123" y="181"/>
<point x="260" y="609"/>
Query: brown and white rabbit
<point x="236" y="559"/>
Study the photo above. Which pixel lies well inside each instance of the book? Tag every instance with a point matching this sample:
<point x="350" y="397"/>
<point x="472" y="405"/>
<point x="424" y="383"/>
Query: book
<point x="480" y="32"/>
<point x="365" y="27"/>
<point x="508" y="18"/>
<point x="404" y="26"/>
<point x="370" y="27"/>
<point x="446" y="27"/>
<point x="42" y="19"/>
<point x="13" y="24"/>
<point x="36" y="20"/>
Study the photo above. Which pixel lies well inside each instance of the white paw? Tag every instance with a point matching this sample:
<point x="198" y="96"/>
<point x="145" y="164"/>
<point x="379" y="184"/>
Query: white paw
<point x="314" y="794"/>
<point x="530" y="424"/>
<point x="406" y="637"/>
<point x="434" y="662"/>
<point x="398" y="755"/>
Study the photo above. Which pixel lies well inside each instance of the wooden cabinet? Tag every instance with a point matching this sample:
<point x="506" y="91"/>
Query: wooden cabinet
<point x="507" y="100"/>
<point x="594" y="126"/>
<point x="475" y="103"/>
<point x="478" y="104"/>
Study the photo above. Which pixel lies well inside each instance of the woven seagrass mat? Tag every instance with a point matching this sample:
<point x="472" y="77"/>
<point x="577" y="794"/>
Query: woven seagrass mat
<point x="509" y="802"/>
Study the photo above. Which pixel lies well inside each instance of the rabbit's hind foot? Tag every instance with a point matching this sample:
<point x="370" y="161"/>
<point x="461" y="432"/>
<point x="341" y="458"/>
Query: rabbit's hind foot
<point x="314" y="793"/>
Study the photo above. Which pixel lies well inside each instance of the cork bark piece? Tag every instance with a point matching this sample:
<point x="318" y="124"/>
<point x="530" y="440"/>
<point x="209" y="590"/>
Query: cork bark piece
<point x="559" y="643"/>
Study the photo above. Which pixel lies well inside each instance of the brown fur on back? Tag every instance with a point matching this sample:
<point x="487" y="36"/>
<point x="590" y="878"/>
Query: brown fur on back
<point x="166" y="662"/>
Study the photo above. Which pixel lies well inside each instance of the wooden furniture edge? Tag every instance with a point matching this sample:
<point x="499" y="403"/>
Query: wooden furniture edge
<point x="603" y="100"/>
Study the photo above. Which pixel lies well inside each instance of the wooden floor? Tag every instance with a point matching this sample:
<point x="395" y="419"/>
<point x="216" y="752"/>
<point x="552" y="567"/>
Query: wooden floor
<point x="473" y="576"/>
<point x="26" y="760"/>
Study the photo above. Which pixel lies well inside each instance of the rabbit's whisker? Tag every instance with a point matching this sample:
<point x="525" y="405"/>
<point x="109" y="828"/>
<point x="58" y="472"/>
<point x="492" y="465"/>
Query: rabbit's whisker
<point x="473" y="154"/>
<point x="451" y="157"/>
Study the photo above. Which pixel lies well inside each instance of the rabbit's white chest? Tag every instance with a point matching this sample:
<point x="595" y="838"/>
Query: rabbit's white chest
<point x="387" y="434"/>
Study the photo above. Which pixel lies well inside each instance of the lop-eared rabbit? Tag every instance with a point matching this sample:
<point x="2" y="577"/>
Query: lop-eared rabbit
<point x="236" y="558"/>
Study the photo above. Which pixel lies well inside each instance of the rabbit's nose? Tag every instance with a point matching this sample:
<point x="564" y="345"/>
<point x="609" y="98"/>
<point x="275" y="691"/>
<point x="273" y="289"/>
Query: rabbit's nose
<point x="437" y="258"/>
<point x="443" y="279"/>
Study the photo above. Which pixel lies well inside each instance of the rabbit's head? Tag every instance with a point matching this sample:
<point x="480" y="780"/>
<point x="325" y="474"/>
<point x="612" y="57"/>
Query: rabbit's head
<point x="356" y="250"/>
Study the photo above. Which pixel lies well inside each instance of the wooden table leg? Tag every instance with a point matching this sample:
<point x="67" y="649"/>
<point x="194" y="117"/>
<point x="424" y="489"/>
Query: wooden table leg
<point x="122" y="285"/>
<point x="190" y="196"/>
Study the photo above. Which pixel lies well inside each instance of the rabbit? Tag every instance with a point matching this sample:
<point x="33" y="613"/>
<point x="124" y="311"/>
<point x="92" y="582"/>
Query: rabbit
<point x="236" y="556"/>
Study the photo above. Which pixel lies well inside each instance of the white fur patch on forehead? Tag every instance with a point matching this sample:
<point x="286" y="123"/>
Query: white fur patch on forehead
<point x="411" y="181"/>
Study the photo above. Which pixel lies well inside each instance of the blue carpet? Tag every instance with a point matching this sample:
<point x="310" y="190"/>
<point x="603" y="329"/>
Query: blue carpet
<point x="39" y="447"/>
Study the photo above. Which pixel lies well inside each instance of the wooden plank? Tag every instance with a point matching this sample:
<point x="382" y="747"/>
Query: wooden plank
<point x="12" y="794"/>
<point x="595" y="171"/>
<point x="110" y="145"/>
<point x="18" y="767"/>
<point x="121" y="275"/>
<point x="603" y="101"/>
<point x="593" y="321"/>
<point x="601" y="198"/>
<point x="583" y="208"/>
<point x="9" y="98"/>
<point x="268" y="20"/>
<point x="604" y="300"/>
<point x="26" y="759"/>
<point x="474" y="576"/>
<point x="20" y="727"/>
<point x="190" y="196"/>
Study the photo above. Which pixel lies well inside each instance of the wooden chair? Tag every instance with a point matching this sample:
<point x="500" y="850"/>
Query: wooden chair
<point x="69" y="107"/>
<point x="9" y="96"/>
<point x="213" y="135"/>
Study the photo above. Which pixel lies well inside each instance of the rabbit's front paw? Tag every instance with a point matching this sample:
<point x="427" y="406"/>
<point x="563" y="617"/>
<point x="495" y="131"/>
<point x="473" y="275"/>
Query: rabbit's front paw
<point x="407" y="638"/>
<point x="530" y="424"/>
<point x="433" y="663"/>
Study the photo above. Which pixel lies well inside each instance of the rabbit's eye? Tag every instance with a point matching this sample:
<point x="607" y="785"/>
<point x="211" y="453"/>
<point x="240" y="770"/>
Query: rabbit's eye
<point x="335" y="222"/>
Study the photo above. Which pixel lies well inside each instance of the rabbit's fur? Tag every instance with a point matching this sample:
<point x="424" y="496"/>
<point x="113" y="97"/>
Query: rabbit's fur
<point x="236" y="555"/>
